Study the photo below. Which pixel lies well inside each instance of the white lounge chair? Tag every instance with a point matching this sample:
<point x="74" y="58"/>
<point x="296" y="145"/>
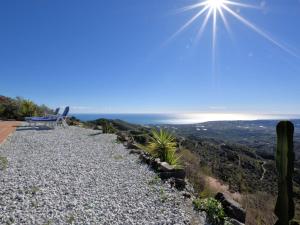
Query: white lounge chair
<point x="46" y="115"/>
<point x="51" y="120"/>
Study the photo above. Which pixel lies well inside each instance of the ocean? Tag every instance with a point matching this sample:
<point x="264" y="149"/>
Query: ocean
<point x="183" y="118"/>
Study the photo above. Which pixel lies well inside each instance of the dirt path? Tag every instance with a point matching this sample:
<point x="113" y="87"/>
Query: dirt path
<point x="217" y="186"/>
<point x="7" y="128"/>
<point x="264" y="170"/>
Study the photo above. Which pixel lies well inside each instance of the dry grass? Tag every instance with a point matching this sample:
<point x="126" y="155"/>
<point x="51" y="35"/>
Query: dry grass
<point x="259" y="208"/>
<point x="201" y="177"/>
<point x="191" y="163"/>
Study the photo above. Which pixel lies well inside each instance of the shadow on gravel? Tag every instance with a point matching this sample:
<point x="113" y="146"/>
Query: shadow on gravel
<point x="95" y="134"/>
<point x="26" y="128"/>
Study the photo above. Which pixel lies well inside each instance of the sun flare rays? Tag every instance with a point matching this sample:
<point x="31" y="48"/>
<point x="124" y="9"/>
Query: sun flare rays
<point x="216" y="10"/>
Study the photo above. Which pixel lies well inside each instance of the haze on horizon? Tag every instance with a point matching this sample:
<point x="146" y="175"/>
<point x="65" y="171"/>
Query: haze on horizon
<point x="117" y="57"/>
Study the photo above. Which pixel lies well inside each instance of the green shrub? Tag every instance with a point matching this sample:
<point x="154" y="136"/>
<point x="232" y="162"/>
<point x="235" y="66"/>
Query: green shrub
<point x="8" y="107"/>
<point x="26" y="108"/>
<point x="213" y="208"/>
<point x="18" y="108"/>
<point x="107" y="128"/>
<point x="162" y="145"/>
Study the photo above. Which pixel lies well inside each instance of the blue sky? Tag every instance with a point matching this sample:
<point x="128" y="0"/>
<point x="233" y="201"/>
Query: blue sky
<point x="111" y="56"/>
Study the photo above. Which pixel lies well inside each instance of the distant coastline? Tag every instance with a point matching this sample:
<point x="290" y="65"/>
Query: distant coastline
<point x="190" y="118"/>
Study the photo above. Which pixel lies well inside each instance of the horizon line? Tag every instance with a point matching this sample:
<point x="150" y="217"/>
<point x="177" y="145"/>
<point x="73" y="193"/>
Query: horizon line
<point x="225" y="113"/>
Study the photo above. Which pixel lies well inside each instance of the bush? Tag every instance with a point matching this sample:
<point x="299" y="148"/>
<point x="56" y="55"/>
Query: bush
<point x="27" y="108"/>
<point x="19" y="108"/>
<point x="73" y="121"/>
<point x="8" y="108"/>
<point x="162" y="145"/>
<point x="107" y="128"/>
<point x="213" y="208"/>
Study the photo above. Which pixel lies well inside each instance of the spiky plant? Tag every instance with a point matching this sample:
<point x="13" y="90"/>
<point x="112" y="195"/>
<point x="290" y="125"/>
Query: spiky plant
<point x="162" y="145"/>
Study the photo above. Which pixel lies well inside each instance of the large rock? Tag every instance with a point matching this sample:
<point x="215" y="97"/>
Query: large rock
<point x="167" y="171"/>
<point x="166" y="167"/>
<point x="155" y="163"/>
<point x="235" y="222"/>
<point x="231" y="207"/>
<point x="145" y="157"/>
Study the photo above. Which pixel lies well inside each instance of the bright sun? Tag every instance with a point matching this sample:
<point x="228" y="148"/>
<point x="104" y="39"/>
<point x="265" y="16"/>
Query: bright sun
<point x="215" y="4"/>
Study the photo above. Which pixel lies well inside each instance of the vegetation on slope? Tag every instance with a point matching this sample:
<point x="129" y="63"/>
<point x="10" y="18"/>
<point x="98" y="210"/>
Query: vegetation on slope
<point x="238" y="164"/>
<point x="19" y="108"/>
<point x="213" y="208"/>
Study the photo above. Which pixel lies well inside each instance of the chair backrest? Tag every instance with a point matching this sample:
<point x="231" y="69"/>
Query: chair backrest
<point x="66" y="111"/>
<point x="56" y="111"/>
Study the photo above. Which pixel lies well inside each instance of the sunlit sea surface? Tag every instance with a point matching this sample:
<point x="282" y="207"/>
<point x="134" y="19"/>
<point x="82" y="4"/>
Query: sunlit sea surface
<point x="187" y="118"/>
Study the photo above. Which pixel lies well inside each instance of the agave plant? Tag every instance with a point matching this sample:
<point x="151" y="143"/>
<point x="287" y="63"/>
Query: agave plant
<point x="162" y="145"/>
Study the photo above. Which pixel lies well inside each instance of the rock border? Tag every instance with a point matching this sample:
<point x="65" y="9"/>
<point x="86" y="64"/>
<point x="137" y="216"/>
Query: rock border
<point x="232" y="209"/>
<point x="177" y="179"/>
<point x="164" y="170"/>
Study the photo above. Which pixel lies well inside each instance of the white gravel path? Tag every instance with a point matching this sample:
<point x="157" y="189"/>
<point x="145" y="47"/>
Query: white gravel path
<point x="72" y="176"/>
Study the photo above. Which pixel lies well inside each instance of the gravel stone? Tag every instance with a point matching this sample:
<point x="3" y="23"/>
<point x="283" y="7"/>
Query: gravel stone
<point x="78" y="176"/>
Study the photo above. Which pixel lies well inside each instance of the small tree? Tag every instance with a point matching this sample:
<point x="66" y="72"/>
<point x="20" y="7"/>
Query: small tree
<point x="8" y="107"/>
<point x="27" y="108"/>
